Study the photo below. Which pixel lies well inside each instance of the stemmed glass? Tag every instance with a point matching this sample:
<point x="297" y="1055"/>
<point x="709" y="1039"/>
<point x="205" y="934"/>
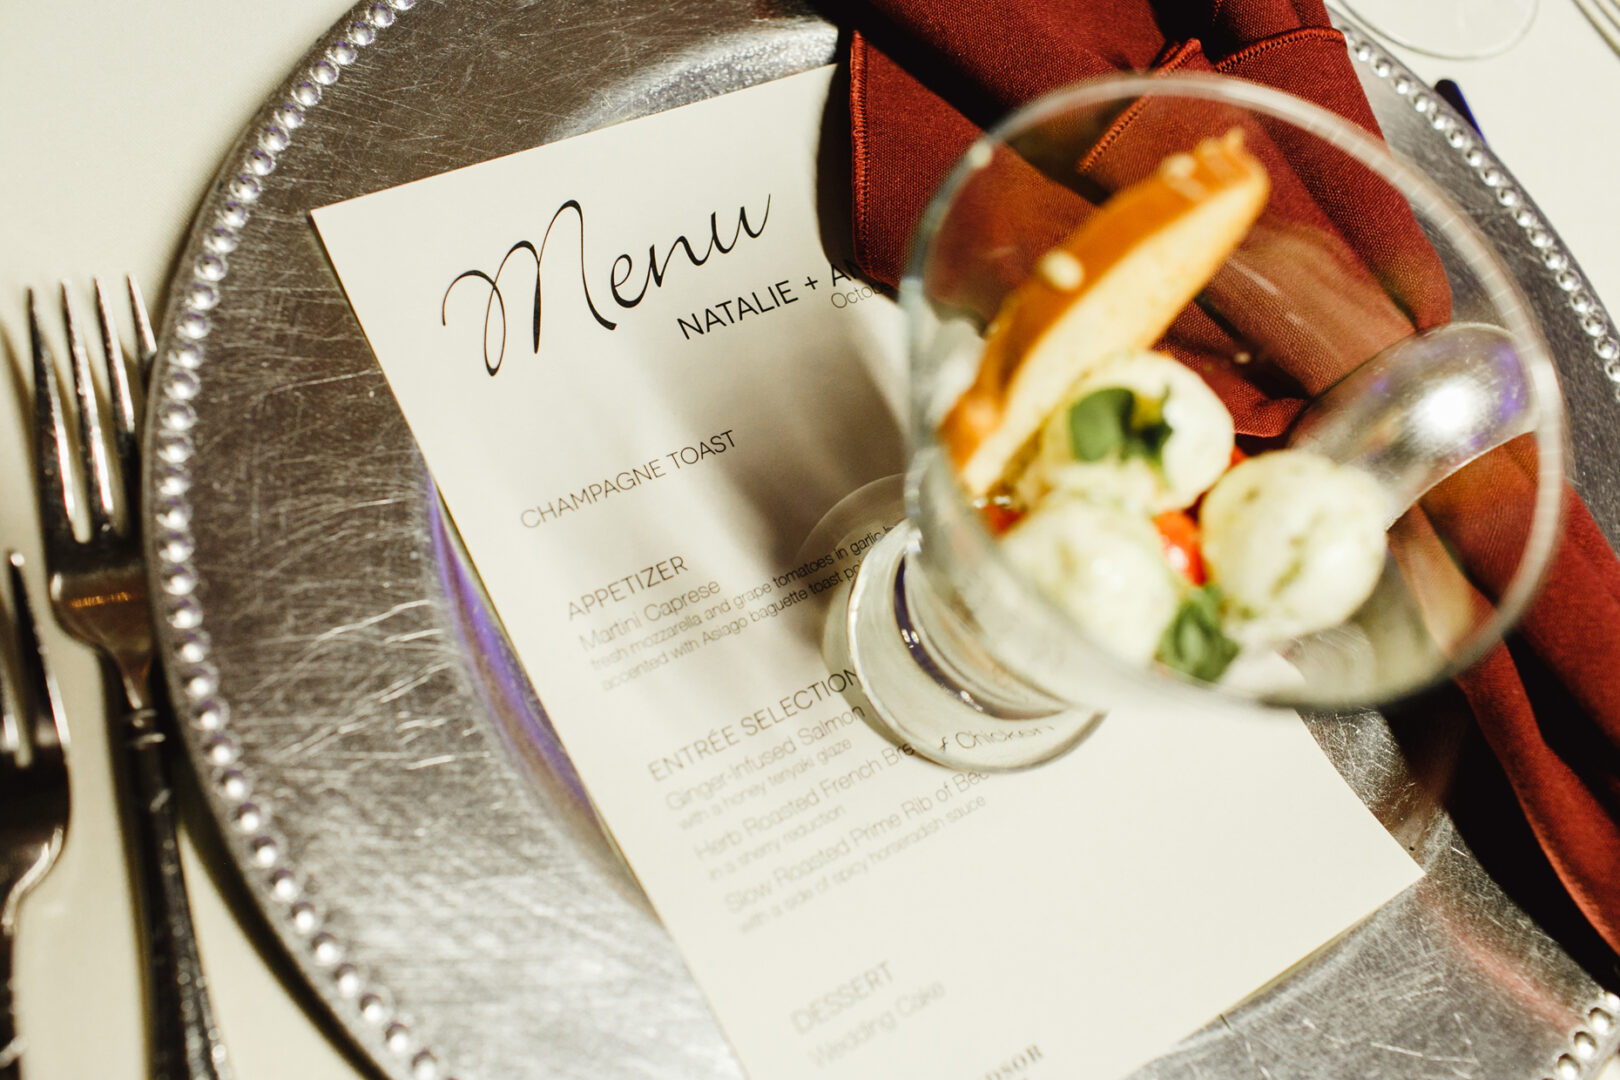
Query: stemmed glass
<point x="969" y="661"/>
<point x="1450" y="29"/>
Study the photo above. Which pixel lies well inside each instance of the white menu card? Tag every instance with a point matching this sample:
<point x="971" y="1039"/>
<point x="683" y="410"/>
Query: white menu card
<point x="633" y="440"/>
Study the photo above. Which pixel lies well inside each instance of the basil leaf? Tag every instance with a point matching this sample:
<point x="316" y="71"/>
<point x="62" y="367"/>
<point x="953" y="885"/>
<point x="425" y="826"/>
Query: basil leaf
<point x="1111" y="422"/>
<point x="1148" y="442"/>
<point x="1148" y="433"/>
<point x="1194" y="643"/>
<point x="1099" y="422"/>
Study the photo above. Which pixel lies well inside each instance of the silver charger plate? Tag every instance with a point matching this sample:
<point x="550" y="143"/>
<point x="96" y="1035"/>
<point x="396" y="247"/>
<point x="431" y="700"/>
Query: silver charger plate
<point x="385" y="783"/>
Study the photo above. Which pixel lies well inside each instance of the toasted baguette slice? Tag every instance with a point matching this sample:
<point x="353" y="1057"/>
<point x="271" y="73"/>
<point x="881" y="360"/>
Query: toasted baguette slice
<point x="1114" y="284"/>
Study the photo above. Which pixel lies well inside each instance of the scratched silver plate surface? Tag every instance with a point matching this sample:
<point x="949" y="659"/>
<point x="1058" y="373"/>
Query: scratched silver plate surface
<point x="384" y="780"/>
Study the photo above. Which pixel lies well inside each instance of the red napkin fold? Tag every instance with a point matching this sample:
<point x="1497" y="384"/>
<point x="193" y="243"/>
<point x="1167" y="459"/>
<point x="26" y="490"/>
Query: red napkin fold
<point x="927" y="75"/>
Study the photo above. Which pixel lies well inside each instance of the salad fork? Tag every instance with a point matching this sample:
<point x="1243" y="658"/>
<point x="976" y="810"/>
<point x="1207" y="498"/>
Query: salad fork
<point x="33" y="783"/>
<point x="98" y="594"/>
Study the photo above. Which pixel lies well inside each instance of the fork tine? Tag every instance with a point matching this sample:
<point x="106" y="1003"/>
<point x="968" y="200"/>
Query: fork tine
<point x="52" y="455"/>
<point x="126" y="447"/>
<point x="10" y="700"/>
<point x="145" y="342"/>
<point x="1605" y="19"/>
<point x="112" y="351"/>
<point x="92" y="451"/>
<point x="46" y="731"/>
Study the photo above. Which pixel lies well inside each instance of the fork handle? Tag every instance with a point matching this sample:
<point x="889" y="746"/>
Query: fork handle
<point x="10" y="1047"/>
<point x="184" y="1040"/>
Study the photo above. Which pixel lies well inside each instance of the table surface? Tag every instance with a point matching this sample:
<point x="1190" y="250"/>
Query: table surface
<point x="115" y="118"/>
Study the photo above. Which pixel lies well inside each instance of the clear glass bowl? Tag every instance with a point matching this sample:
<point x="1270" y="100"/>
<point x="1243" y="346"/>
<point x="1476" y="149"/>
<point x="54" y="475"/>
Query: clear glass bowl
<point x="971" y="663"/>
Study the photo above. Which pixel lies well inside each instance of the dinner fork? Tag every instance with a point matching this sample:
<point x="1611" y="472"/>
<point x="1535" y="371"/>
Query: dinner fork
<point x="33" y="782"/>
<point x="98" y="594"/>
<point x="1604" y="15"/>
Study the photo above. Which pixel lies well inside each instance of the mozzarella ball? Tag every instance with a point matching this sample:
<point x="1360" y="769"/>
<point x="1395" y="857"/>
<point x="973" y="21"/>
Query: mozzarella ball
<point x="1295" y="542"/>
<point x="1104" y="566"/>
<point x="1193" y="455"/>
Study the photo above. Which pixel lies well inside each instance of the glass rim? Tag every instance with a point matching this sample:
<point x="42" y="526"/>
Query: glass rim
<point x="1417" y="189"/>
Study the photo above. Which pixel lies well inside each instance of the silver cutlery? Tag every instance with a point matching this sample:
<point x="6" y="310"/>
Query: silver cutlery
<point x="98" y="594"/>
<point x="1604" y="15"/>
<point x="33" y="783"/>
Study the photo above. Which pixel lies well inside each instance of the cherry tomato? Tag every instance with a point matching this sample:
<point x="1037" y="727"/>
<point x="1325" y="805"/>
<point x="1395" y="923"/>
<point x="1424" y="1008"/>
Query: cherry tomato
<point x="1182" y="548"/>
<point x="999" y="517"/>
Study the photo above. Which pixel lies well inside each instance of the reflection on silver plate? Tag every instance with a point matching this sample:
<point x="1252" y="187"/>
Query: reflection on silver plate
<point x="382" y="774"/>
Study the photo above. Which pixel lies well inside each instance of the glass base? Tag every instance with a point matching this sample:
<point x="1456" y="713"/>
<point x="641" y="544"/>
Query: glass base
<point x="929" y="684"/>
<point x="1449" y="29"/>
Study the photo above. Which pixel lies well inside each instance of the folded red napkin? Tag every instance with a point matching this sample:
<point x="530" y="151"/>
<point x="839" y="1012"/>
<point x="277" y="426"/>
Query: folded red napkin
<point x="927" y="75"/>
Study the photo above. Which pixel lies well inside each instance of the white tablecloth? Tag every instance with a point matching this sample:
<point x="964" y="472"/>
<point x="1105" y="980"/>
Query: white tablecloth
<point x="115" y="117"/>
